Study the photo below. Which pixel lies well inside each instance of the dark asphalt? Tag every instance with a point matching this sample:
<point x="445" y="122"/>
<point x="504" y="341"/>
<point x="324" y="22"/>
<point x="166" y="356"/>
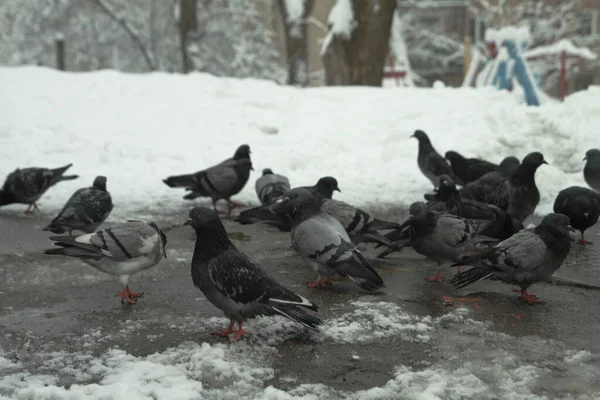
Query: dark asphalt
<point x="46" y="301"/>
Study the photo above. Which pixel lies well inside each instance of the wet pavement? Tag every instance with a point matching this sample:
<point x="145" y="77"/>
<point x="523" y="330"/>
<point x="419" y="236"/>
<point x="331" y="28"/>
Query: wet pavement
<point x="62" y="305"/>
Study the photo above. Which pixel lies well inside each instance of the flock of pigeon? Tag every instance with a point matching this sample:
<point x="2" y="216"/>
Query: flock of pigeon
<point x="479" y="225"/>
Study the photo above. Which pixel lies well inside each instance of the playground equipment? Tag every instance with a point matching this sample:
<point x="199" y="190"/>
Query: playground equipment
<point x="509" y="58"/>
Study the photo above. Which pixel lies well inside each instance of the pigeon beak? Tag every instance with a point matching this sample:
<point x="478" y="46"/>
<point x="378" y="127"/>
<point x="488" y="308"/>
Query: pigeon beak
<point x="188" y="222"/>
<point x="584" y="158"/>
<point x="338" y="189"/>
<point x="252" y="168"/>
<point x="412" y="135"/>
<point x="544" y="162"/>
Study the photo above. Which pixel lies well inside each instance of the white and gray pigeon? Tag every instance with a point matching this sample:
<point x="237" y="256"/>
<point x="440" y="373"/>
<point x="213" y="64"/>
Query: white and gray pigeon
<point x="444" y="237"/>
<point x="121" y="251"/>
<point x="85" y="210"/>
<point x="430" y="162"/>
<point x="591" y="171"/>
<point x="517" y="194"/>
<point x="271" y="186"/>
<point x="530" y="256"/>
<point x="324" y="188"/>
<point x="323" y="243"/>
<point x="235" y="283"/>
<point x="218" y="182"/>
<point x="581" y="205"/>
<point x="27" y="185"/>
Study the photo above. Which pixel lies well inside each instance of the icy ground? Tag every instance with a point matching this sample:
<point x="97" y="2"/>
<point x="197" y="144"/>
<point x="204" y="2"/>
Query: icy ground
<point x="139" y="129"/>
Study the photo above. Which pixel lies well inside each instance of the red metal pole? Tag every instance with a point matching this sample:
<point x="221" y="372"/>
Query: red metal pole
<point x="563" y="75"/>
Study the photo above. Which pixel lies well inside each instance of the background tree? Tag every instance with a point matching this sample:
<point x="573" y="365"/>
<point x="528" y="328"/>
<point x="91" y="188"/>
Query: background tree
<point x="356" y="45"/>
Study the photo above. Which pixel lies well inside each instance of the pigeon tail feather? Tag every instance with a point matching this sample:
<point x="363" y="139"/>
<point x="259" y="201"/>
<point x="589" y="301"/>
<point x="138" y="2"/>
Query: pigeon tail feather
<point x="295" y="313"/>
<point x="469" y="276"/>
<point x="180" y="181"/>
<point x="54" y="228"/>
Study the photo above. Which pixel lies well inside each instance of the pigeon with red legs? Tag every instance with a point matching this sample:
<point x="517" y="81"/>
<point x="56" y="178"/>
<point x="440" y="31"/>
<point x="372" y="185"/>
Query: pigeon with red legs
<point x="581" y="205"/>
<point x="530" y="256"/>
<point x="444" y="237"/>
<point x="121" y="251"/>
<point x="27" y="185"/>
<point x="85" y="210"/>
<point x="323" y="242"/>
<point x="235" y="283"/>
<point x="430" y="162"/>
<point x="218" y="182"/>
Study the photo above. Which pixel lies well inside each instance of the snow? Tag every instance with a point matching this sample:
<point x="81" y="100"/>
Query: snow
<point x="519" y="35"/>
<point x="491" y="365"/>
<point x="341" y="22"/>
<point x="139" y="129"/>
<point x="557" y="48"/>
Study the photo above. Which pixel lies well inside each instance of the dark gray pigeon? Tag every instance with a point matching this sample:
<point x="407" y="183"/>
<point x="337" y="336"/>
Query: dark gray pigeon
<point x="236" y="284"/>
<point x="218" y="182"/>
<point x="508" y="166"/>
<point x="581" y="205"/>
<point x="447" y="200"/>
<point x="271" y="186"/>
<point x="323" y="188"/>
<point x="85" y="210"/>
<point x="591" y="171"/>
<point x="443" y="237"/>
<point x="430" y="162"/>
<point x="122" y="251"/>
<point x="528" y="257"/>
<point x="323" y="243"/>
<point x="517" y="194"/>
<point x="27" y="185"/>
<point x="468" y="169"/>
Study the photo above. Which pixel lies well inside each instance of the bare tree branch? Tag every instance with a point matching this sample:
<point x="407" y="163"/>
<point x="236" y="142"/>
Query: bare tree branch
<point x="121" y="21"/>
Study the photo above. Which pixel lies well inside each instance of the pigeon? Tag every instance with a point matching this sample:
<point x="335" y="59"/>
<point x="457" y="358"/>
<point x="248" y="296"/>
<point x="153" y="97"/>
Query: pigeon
<point x="528" y="257"/>
<point x="218" y="182"/>
<point x="430" y="162"/>
<point x="448" y="200"/>
<point x="360" y="225"/>
<point x="581" y="205"/>
<point x="85" y="210"/>
<point x="443" y="237"/>
<point x="271" y="186"/>
<point x="468" y="169"/>
<point x="324" y="188"/>
<point x="323" y="243"/>
<point x="122" y="250"/>
<point x="27" y="185"/>
<point x="507" y="166"/>
<point x="517" y="194"/>
<point x="236" y="284"/>
<point x="591" y="171"/>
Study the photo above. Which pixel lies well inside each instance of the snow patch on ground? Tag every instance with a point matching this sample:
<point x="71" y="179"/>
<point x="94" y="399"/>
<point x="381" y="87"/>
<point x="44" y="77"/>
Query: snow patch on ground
<point x="139" y="129"/>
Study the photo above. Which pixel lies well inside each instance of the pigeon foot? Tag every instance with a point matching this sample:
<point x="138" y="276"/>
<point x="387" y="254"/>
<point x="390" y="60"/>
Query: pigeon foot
<point x="320" y="283"/>
<point x="436" y="278"/>
<point x="128" y="296"/>
<point x="233" y="204"/>
<point x="225" y="332"/>
<point x="240" y="332"/>
<point x="583" y="241"/>
<point x="29" y="211"/>
<point x="528" y="298"/>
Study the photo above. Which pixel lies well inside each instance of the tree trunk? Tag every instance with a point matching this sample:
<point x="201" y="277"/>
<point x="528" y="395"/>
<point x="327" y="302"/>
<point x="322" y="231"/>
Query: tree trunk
<point x="188" y="22"/>
<point x="360" y="59"/>
<point x="296" y="44"/>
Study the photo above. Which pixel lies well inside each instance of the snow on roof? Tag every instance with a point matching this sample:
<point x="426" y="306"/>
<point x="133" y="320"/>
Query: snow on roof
<point x="556" y="48"/>
<point x="516" y="33"/>
<point x="341" y="22"/>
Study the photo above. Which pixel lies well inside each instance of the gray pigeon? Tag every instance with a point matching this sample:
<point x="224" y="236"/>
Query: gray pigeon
<point x="581" y="205"/>
<point x="360" y="225"/>
<point x="323" y="188"/>
<point x="218" y="182"/>
<point x="121" y="251"/>
<point x="27" y="185"/>
<point x="528" y="257"/>
<point x="85" y="210"/>
<point x="323" y="242"/>
<point x="271" y="186"/>
<point x="430" y="162"/>
<point x="236" y="284"/>
<point x="443" y="237"/>
<point x="591" y="171"/>
<point x="517" y="194"/>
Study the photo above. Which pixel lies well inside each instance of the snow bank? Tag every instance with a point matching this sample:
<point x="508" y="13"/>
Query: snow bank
<point x="139" y="129"/>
